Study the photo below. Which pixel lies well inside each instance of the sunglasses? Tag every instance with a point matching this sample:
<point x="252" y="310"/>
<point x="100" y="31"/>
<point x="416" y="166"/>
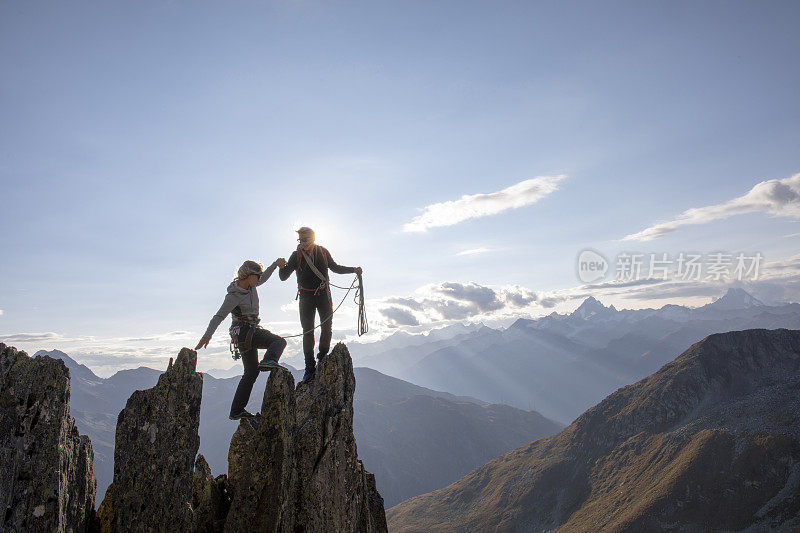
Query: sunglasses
<point x="304" y="239"/>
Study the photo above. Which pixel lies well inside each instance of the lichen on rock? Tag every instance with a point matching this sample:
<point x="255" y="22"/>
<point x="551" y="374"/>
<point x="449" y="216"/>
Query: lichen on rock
<point x="156" y="444"/>
<point x="335" y="492"/>
<point x="295" y="466"/>
<point x="261" y="464"/>
<point x="210" y="498"/>
<point x="48" y="483"/>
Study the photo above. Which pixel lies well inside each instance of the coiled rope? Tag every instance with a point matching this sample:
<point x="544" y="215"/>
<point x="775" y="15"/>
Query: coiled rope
<point x="363" y="325"/>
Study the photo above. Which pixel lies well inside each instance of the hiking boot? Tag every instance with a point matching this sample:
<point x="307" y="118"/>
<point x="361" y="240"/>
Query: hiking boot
<point x="269" y="364"/>
<point x="308" y="376"/>
<point x="243" y="414"/>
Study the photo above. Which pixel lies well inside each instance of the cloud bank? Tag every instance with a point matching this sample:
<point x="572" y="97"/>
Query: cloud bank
<point x="481" y="205"/>
<point x="454" y="301"/>
<point x="450" y="301"/>
<point x="779" y="198"/>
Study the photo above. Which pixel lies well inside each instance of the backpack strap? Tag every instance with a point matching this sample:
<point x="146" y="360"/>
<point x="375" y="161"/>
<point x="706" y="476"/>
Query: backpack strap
<point x="313" y="267"/>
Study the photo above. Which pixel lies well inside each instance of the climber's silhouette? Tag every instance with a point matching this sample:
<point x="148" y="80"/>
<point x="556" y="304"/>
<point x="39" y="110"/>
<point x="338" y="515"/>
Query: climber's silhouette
<point x="311" y="262"/>
<point x="246" y="335"/>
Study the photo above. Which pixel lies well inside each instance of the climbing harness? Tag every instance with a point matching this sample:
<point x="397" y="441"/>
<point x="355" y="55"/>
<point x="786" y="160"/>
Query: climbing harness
<point x="237" y="346"/>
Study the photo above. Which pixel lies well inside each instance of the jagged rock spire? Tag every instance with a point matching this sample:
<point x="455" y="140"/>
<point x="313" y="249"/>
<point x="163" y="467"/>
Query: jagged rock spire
<point x="295" y="467"/>
<point x="261" y="463"/>
<point x="156" y="443"/>
<point x="336" y="493"/>
<point x="47" y="482"/>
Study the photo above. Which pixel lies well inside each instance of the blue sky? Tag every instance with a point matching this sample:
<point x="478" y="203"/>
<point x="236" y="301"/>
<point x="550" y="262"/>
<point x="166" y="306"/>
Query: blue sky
<point x="149" y="148"/>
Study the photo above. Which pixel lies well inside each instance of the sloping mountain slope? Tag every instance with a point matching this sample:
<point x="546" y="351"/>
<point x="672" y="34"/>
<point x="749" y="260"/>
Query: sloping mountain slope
<point x="422" y="442"/>
<point x="710" y="441"/>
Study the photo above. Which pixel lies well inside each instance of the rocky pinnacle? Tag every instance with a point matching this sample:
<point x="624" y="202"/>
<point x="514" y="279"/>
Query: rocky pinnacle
<point x="156" y="444"/>
<point x="47" y="482"/>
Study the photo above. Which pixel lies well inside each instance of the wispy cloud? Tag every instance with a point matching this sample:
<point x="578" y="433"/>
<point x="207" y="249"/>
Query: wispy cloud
<point x="165" y="336"/>
<point x="473" y="251"/>
<point x="31" y="337"/>
<point x="480" y="205"/>
<point x="779" y="198"/>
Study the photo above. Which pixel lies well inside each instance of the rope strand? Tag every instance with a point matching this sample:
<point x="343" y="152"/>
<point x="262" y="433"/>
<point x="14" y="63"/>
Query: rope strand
<point x="363" y="326"/>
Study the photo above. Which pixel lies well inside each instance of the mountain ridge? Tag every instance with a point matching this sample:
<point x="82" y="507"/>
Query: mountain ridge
<point x="636" y="460"/>
<point x="560" y="365"/>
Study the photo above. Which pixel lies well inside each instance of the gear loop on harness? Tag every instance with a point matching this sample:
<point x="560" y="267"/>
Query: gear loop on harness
<point x="237" y="346"/>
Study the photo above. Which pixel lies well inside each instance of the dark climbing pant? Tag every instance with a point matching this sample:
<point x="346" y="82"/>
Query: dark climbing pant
<point x="261" y="339"/>
<point x="310" y="305"/>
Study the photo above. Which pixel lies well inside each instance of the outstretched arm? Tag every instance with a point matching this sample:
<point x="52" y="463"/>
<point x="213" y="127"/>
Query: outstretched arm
<point x="227" y="306"/>
<point x="280" y="262"/>
<point x="291" y="266"/>
<point x="266" y="274"/>
<point x="339" y="269"/>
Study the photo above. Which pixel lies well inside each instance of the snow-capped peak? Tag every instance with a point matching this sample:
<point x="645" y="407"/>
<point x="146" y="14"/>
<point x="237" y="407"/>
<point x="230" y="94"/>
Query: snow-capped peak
<point x="590" y="307"/>
<point x="735" y="298"/>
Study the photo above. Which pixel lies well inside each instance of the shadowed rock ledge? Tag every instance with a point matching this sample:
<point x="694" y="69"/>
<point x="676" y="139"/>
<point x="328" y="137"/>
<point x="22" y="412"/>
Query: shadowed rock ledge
<point x="156" y="444"/>
<point x="47" y="482"/>
<point x="295" y="466"/>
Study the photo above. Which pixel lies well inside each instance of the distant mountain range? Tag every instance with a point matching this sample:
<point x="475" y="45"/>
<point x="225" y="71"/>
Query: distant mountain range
<point x="404" y="433"/>
<point x="561" y="364"/>
<point x="557" y="365"/>
<point x="710" y="442"/>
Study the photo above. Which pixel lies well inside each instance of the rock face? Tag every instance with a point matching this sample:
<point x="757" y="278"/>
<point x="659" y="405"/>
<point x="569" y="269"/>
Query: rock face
<point x="95" y="404"/>
<point x="156" y="443"/>
<point x="335" y="492"/>
<point x="47" y="483"/>
<point x="295" y="466"/>
<point x="261" y="463"/>
<point x="210" y="498"/>
<point x="709" y="442"/>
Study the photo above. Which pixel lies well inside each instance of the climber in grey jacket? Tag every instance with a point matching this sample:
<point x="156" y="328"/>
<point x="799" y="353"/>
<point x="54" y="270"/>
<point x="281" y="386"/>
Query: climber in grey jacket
<point x="241" y="301"/>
